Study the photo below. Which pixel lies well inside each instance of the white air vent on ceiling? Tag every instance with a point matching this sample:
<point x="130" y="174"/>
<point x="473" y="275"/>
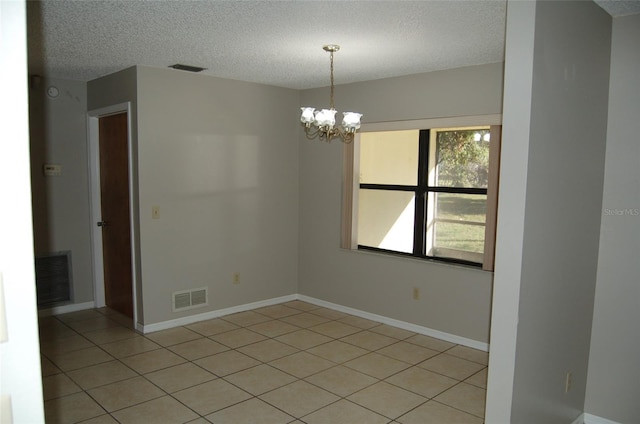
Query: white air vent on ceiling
<point x="188" y="299"/>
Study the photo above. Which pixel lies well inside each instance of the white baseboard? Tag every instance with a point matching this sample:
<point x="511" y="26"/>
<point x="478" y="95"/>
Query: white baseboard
<point x="400" y="324"/>
<point x="65" y="309"/>
<point x="594" y="419"/>
<point x="579" y="420"/>
<point x="164" y="325"/>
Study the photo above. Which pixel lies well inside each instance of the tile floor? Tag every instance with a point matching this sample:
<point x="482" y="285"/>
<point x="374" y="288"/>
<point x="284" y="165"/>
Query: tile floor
<point x="289" y="363"/>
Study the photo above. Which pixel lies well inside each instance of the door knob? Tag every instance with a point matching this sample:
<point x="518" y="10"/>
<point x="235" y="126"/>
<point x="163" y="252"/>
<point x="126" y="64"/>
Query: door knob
<point x="102" y="223"/>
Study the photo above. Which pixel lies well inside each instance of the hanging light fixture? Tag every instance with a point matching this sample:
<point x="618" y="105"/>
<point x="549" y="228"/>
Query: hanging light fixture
<point x="321" y="123"/>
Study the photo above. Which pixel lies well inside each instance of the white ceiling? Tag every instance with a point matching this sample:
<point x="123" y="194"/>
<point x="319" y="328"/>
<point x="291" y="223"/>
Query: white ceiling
<point x="272" y="42"/>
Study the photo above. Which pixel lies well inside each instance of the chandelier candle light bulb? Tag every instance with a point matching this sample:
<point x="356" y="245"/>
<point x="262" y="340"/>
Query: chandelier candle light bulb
<point x="321" y="123"/>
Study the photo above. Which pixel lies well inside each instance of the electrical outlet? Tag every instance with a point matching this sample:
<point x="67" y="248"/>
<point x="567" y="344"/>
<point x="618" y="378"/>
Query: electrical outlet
<point x="236" y="278"/>
<point x="155" y="212"/>
<point x="416" y="293"/>
<point x="568" y="382"/>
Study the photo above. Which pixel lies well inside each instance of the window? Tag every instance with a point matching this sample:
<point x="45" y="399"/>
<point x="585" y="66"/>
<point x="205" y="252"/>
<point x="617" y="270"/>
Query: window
<point x="427" y="193"/>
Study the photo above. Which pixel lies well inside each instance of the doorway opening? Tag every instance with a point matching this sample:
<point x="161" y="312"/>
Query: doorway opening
<point x="113" y="211"/>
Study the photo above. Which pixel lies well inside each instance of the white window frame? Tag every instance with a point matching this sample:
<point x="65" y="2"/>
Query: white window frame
<point x="351" y="168"/>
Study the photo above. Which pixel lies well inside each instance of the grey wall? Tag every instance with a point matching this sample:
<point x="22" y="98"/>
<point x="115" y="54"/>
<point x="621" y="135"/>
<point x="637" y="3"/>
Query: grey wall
<point x="562" y="156"/>
<point x="454" y="299"/>
<point x="613" y="385"/>
<point x="220" y="159"/>
<point x="58" y="131"/>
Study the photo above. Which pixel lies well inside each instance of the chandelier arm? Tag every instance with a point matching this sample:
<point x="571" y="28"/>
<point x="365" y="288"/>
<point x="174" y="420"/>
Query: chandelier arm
<point x="311" y="133"/>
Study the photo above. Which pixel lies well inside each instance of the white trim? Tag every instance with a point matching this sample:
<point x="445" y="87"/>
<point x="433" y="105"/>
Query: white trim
<point x="443" y="122"/>
<point x="579" y="420"/>
<point x="594" y="419"/>
<point x="65" y="309"/>
<point x="164" y="325"/>
<point x="94" y="193"/>
<point x="400" y="324"/>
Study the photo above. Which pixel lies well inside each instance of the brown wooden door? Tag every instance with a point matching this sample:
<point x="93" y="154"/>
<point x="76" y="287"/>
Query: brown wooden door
<point x="116" y="223"/>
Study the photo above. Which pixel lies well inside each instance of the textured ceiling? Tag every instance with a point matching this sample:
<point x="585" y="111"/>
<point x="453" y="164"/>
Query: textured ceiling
<point x="272" y="42"/>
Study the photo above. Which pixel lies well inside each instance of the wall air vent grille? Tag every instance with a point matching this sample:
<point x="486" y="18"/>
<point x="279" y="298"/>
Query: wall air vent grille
<point x="189" y="299"/>
<point x="53" y="279"/>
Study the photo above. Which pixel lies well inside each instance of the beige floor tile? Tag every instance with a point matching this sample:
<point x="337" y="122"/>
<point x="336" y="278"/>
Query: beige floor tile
<point x="130" y="346"/>
<point x="109" y="335"/>
<point x="252" y="411"/>
<point x="331" y="314"/>
<point x="395" y="332"/>
<point x="173" y="336"/>
<point x="305" y="320"/>
<point x="50" y="328"/>
<point x="376" y="365"/>
<point x="479" y="379"/>
<point x="260" y="379"/>
<point x="470" y="354"/>
<point x="152" y="361"/>
<point x="465" y="397"/>
<point x="338" y="351"/>
<point x="299" y="398"/>
<point x="101" y="374"/>
<point x="58" y="385"/>
<point x="71" y="409"/>
<point x="273" y="328"/>
<point x="303" y="339"/>
<point x="422" y="382"/>
<point x="302" y="364"/>
<point x="245" y="319"/>
<point x="47" y="367"/>
<point x="212" y="326"/>
<point x="430" y="342"/>
<point x="80" y="358"/>
<point x="165" y="410"/>
<point x="368" y="340"/>
<point x="116" y="396"/>
<point x="79" y="315"/>
<point x="387" y="399"/>
<point x="355" y="321"/>
<point x="199" y="348"/>
<point x="211" y="396"/>
<point x="179" y="377"/>
<point x="198" y="421"/>
<point x="268" y="350"/>
<point x="238" y="338"/>
<point x="451" y="366"/>
<point x="102" y="419"/>
<point x="98" y="323"/>
<point x="341" y="381"/>
<point x="408" y="352"/>
<point x="335" y="329"/>
<point x="277" y="311"/>
<point x="226" y="363"/>
<point x="300" y="305"/>
<point x="64" y="345"/>
<point x="345" y="412"/>
<point x="437" y="413"/>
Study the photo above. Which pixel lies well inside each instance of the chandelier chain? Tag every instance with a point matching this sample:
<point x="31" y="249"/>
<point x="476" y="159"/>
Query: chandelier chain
<point x="331" y="62"/>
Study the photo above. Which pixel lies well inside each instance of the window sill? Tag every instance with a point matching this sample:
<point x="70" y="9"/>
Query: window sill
<point x="414" y="259"/>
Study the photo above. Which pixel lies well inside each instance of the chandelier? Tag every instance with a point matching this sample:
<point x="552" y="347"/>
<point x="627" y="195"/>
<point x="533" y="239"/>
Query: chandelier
<point x="321" y="123"/>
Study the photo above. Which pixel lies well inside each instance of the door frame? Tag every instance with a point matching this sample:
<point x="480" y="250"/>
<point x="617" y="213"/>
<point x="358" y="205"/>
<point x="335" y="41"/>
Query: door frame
<point x="93" y="122"/>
